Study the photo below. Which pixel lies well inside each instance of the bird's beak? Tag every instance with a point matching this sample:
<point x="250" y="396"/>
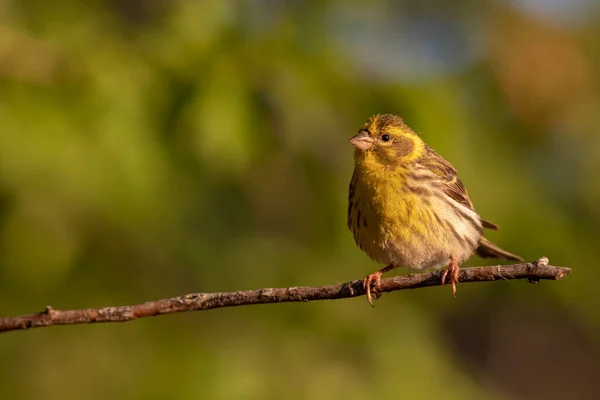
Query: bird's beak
<point x="362" y="141"/>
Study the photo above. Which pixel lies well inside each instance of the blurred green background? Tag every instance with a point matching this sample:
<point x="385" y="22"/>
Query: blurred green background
<point x="155" y="148"/>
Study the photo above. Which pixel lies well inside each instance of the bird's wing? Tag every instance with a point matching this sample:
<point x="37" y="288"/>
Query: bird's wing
<point x="447" y="177"/>
<point x="451" y="183"/>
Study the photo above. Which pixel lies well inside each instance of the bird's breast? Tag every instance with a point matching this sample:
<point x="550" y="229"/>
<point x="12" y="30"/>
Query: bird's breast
<point x="407" y="223"/>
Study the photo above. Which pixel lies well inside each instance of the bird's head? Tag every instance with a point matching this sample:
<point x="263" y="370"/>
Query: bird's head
<point x="386" y="140"/>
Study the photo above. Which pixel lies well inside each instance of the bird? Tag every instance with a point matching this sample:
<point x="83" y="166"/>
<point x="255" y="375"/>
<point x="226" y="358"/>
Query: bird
<point x="407" y="207"/>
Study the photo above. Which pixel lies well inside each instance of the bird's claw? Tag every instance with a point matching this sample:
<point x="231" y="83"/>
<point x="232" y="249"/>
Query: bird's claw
<point x="371" y="285"/>
<point x="453" y="272"/>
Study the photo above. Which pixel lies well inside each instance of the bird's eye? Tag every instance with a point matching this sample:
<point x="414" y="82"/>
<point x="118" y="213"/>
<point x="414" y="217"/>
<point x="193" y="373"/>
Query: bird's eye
<point x="385" y="137"/>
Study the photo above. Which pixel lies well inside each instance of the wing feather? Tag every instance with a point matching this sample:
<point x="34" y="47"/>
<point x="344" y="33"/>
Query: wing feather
<point x="447" y="176"/>
<point x="451" y="183"/>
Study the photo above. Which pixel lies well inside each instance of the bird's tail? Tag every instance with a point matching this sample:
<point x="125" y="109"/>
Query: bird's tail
<point x="488" y="249"/>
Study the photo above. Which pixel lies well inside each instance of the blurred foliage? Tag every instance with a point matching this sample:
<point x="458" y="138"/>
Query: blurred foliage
<point x="154" y="148"/>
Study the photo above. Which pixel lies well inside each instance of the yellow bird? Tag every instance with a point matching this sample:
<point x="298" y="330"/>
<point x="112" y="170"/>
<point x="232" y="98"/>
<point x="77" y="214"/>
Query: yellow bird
<point x="408" y="208"/>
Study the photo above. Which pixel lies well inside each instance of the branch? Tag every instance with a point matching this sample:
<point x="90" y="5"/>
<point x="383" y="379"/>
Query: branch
<point x="533" y="272"/>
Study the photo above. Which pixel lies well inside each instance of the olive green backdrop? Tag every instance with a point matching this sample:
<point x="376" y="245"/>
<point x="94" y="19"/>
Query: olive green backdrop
<point x="155" y="148"/>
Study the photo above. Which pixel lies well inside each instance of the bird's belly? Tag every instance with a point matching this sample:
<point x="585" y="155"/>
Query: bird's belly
<point x="417" y="237"/>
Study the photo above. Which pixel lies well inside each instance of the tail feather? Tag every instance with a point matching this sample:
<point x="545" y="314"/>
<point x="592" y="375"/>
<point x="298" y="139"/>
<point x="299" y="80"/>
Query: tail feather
<point x="488" y="249"/>
<point x="489" y="225"/>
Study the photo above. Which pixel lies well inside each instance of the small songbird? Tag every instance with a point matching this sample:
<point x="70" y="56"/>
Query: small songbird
<point x="407" y="206"/>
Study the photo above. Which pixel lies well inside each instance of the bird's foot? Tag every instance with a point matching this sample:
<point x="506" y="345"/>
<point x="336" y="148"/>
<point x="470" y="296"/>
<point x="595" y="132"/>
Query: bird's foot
<point x="371" y="283"/>
<point x="452" y="272"/>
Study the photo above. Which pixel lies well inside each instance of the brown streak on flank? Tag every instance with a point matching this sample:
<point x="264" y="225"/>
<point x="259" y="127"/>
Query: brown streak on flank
<point x="464" y="216"/>
<point x="476" y="226"/>
<point x="471" y="243"/>
<point x="355" y="234"/>
<point x="437" y="218"/>
<point x="452" y="229"/>
<point x="351" y="203"/>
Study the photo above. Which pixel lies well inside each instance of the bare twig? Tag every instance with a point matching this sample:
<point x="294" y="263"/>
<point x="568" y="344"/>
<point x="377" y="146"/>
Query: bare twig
<point x="533" y="272"/>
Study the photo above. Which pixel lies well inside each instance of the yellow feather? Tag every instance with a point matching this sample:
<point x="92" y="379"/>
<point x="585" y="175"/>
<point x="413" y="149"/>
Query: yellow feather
<point x="407" y="206"/>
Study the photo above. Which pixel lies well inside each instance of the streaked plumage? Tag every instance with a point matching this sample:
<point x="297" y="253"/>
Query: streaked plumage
<point x="407" y="206"/>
